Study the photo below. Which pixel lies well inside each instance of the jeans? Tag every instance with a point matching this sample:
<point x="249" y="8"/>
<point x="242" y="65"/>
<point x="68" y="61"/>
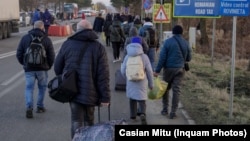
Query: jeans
<point x="31" y="77"/>
<point x="151" y="56"/>
<point x="81" y="115"/>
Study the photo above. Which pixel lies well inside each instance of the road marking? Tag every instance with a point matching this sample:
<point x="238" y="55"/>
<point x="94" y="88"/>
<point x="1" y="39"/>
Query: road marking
<point x="13" y="78"/>
<point x="8" y="54"/>
<point x="11" y="87"/>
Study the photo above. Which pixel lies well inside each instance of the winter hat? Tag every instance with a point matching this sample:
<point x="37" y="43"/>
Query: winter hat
<point x="147" y="19"/>
<point x="177" y="29"/>
<point x="136" y="40"/>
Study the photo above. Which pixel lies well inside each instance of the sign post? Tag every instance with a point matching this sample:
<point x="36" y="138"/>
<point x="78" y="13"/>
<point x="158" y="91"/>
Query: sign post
<point x="233" y="8"/>
<point x="215" y="8"/>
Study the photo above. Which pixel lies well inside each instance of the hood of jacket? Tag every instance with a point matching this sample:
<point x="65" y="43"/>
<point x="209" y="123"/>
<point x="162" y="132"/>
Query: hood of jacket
<point x="133" y="32"/>
<point x="84" y="35"/>
<point x="148" y="24"/>
<point x="134" y="49"/>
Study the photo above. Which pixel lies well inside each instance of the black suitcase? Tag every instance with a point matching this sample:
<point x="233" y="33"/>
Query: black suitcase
<point x="120" y="81"/>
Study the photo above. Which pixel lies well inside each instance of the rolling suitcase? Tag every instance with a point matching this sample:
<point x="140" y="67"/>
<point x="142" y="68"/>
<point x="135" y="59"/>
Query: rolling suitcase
<point x="102" y="131"/>
<point x="120" y="81"/>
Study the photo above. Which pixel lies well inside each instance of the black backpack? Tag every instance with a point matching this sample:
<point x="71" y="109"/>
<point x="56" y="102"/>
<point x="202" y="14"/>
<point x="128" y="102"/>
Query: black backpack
<point x="150" y="36"/>
<point x="35" y="55"/>
<point x="126" y="28"/>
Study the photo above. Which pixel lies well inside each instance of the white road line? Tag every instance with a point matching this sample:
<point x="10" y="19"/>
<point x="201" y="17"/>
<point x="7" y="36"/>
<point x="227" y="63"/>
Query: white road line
<point x="11" y="87"/>
<point x="13" y="78"/>
<point x="8" y="54"/>
<point x="4" y="55"/>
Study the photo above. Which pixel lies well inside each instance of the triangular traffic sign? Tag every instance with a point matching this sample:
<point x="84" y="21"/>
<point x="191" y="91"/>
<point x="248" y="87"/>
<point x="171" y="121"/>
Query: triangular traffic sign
<point x="161" y="15"/>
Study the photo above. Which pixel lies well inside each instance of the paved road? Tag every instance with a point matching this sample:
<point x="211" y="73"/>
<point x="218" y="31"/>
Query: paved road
<point x="54" y="125"/>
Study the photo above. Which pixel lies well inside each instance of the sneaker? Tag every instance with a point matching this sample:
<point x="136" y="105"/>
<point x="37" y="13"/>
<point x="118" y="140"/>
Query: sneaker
<point x="114" y="61"/>
<point x="172" y="116"/>
<point x="119" y="59"/>
<point x="164" y="113"/>
<point x="40" y="110"/>
<point x="133" y="120"/>
<point x="29" y="113"/>
<point x="143" y="120"/>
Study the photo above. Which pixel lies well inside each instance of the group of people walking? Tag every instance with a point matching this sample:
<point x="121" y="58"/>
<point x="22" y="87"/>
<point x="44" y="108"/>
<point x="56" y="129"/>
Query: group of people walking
<point x="121" y="32"/>
<point x="45" y="16"/>
<point x="94" y="69"/>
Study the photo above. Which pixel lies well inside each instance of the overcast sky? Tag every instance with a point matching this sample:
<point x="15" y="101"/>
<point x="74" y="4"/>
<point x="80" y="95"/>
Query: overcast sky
<point x="106" y="2"/>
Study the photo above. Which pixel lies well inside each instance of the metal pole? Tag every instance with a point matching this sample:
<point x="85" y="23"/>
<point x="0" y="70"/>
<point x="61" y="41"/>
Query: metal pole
<point x="213" y="38"/>
<point x="232" y="68"/>
<point x="142" y="9"/>
<point x="161" y="29"/>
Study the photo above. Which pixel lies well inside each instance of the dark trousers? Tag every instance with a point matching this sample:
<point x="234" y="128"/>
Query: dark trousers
<point x="133" y="107"/>
<point x="116" y="49"/>
<point x="107" y="40"/>
<point x="46" y="27"/>
<point x="175" y="84"/>
<point x="81" y="115"/>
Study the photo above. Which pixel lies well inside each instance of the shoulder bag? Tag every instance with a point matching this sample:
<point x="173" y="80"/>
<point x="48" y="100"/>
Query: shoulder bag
<point x="186" y="65"/>
<point x="63" y="88"/>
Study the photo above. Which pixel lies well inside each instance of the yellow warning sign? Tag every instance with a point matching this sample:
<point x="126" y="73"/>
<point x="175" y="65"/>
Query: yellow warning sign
<point x="162" y="13"/>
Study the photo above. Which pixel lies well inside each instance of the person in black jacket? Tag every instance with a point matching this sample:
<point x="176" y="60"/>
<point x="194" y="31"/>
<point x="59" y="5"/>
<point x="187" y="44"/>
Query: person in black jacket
<point x="93" y="74"/>
<point x="36" y="73"/>
<point x="107" y="23"/>
<point x="47" y="19"/>
<point x="98" y="24"/>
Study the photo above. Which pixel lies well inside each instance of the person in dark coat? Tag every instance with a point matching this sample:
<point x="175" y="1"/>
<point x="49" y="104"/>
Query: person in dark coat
<point x="133" y="33"/>
<point x="47" y="18"/>
<point x="107" y="23"/>
<point x="93" y="74"/>
<point x="172" y="61"/>
<point x="117" y="36"/>
<point x="35" y="73"/>
<point x="137" y="22"/>
<point x="36" y="16"/>
<point x="98" y="24"/>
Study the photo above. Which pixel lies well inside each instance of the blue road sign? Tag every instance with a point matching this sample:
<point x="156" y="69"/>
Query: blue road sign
<point x="196" y="8"/>
<point x="234" y="7"/>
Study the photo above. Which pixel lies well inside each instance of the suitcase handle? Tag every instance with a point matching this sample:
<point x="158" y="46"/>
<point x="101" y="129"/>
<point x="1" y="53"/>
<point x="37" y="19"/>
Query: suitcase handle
<point x="99" y="117"/>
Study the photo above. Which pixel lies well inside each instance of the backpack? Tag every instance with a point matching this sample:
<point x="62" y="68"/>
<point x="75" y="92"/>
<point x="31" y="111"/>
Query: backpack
<point x="115" y="31"/>
<point x="150" y="36"/>
<point x="126" y="28"/>
<point x="35" y="55"/>
<point x="135" y="68"/>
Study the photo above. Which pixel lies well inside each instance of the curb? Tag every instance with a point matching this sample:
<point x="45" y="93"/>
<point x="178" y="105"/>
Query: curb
<point x="185" y="114"/>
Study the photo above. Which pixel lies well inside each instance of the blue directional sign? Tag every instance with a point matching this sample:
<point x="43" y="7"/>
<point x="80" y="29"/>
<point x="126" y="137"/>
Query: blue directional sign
<point x="196" y="8"/>
<point x="234" y="7"/>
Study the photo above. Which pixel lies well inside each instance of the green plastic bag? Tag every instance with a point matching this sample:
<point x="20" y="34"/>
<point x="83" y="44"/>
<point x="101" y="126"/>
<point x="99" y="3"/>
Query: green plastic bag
<point x="159" y="89"/>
